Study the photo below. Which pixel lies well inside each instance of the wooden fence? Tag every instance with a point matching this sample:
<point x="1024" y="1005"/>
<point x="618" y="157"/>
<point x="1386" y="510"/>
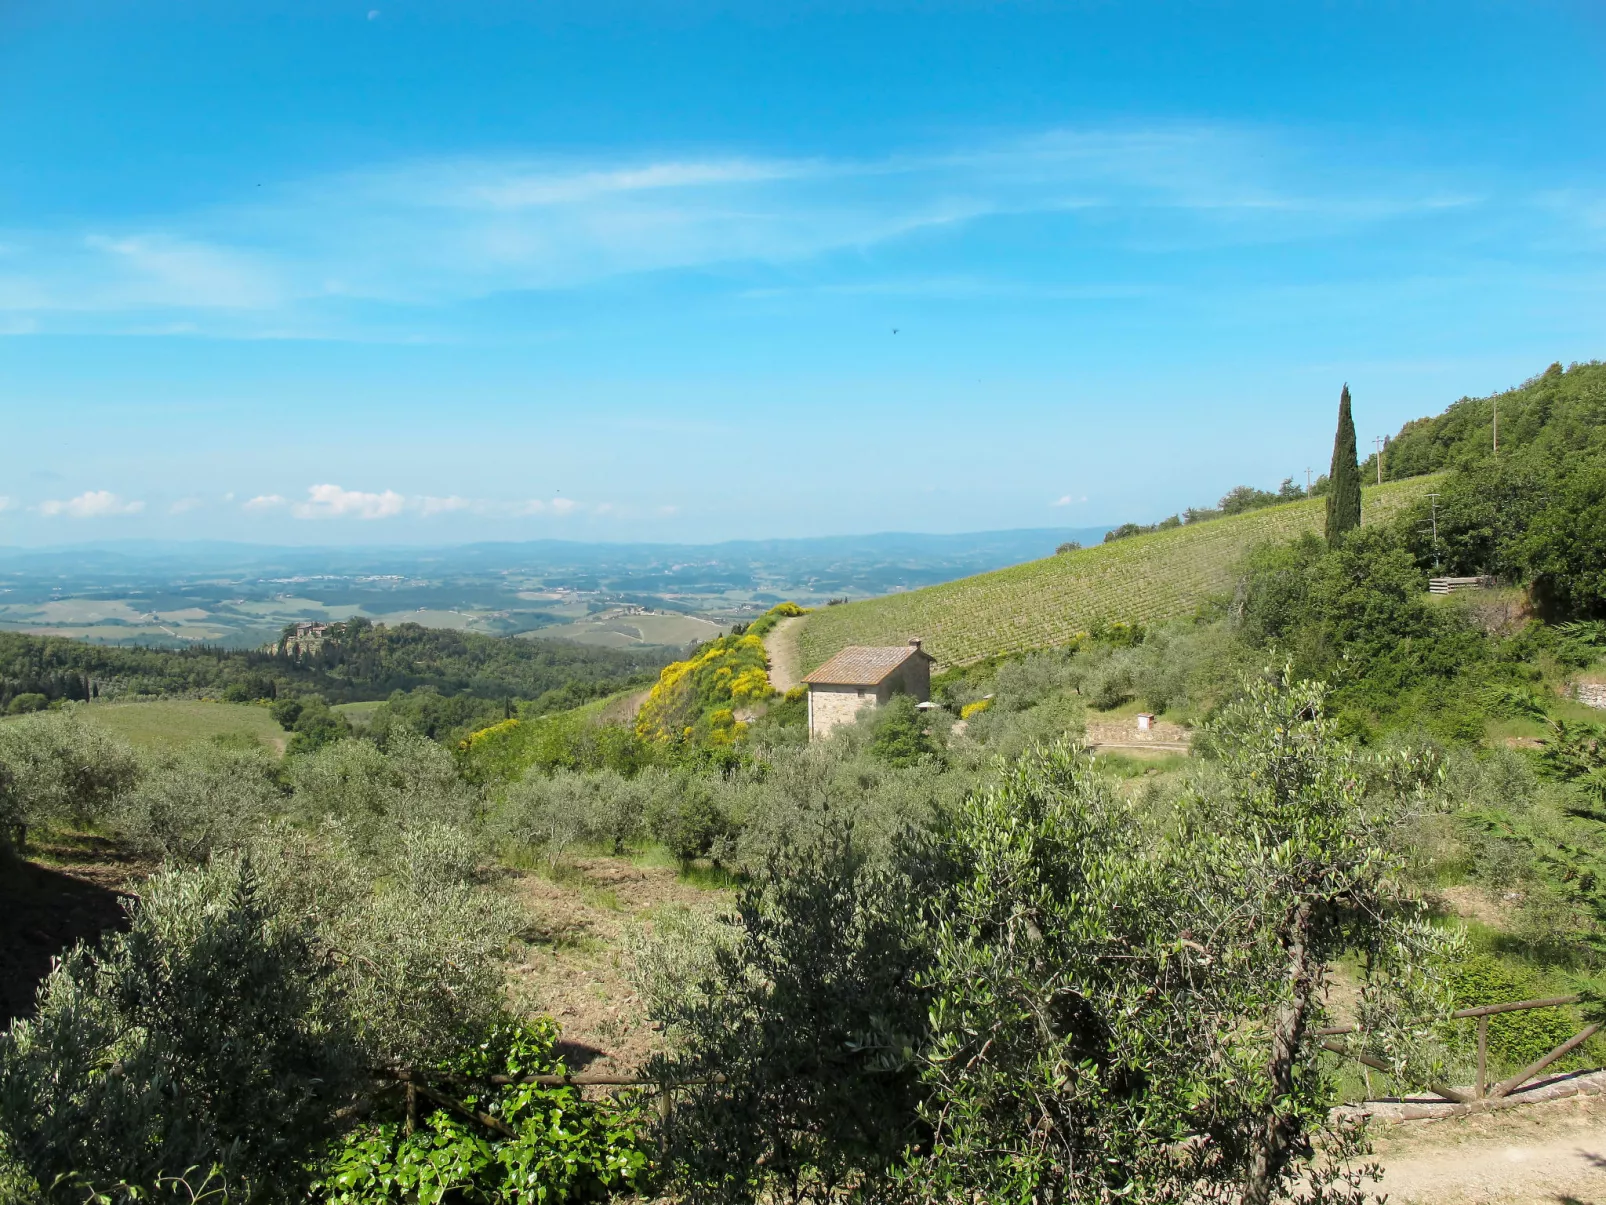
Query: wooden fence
<point x="415" y="1084"/>
<point x="1482" y="1090"/>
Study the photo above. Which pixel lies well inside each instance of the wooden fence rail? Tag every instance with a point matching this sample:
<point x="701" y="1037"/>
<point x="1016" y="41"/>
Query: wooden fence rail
<point x="1481" y="1014"/>
<point x="416" y="1085"/>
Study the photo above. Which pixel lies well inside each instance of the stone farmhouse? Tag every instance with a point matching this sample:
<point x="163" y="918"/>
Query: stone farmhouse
<point x="862" y="676"/>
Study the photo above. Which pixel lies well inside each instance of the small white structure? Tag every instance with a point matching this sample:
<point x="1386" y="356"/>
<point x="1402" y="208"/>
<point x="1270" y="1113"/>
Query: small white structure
<point x="1449" y="585"/>
<point x="865" y="676"/>
<point x="1145" y="722"/>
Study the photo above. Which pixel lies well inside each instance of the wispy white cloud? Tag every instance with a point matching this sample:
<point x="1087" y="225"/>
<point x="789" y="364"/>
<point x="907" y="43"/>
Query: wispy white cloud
<point x="429" y="505"/>
<point x="438" y="231"/>
<point x="92" y="504"/>
<point x="336" y="502"/>
<point x="333" y="502"/>
<point x="1068" y="500"/>
<point x="128" y="273"/>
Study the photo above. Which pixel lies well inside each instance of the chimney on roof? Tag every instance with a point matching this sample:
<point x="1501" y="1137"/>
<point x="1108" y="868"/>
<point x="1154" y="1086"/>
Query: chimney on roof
<point x="914" y="642"/>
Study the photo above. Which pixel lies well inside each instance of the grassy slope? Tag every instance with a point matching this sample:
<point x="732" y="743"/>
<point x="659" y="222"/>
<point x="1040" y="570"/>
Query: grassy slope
<point x="169" y="723"/>
<point x="1042" y="603"/>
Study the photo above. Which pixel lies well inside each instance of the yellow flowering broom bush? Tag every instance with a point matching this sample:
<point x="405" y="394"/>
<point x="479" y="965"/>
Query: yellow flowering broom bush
<point x="697" y="698"/>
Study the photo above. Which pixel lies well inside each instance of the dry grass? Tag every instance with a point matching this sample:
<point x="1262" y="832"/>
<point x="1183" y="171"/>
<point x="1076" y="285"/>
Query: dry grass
<point x="575" y="965"/>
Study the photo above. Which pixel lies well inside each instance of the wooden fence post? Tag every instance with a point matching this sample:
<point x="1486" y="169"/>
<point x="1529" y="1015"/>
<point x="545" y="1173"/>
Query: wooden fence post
<point x="1534" y="1068"/>
<point x="1483" y="1056"/>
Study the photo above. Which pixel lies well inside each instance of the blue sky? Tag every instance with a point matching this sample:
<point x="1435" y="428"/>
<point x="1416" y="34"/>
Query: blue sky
<point x="428" y="272"/>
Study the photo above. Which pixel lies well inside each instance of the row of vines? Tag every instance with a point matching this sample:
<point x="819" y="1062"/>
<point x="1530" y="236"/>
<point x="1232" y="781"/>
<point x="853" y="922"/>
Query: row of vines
<point x="1144" y="579"/>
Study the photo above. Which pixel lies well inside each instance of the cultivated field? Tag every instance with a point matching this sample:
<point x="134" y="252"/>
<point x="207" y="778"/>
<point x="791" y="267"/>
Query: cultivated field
<point x="618" y="630"/>
<point x="1042" y="603"/>
<point x="169" y="723"/>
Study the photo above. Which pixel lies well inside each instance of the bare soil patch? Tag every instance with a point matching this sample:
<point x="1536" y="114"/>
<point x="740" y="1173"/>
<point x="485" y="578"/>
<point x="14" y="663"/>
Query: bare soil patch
<point x="1551" y="1153"/>
<point x="623" y="710"/>
<point x="576" y="965"/>
<point x="1495" y="909"/>
<point x="785" y="661"/>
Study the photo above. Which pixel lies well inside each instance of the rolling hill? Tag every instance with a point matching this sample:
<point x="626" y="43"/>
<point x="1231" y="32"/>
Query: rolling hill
<point x="1559" y="413"/>
<point x="1144" y="578"/>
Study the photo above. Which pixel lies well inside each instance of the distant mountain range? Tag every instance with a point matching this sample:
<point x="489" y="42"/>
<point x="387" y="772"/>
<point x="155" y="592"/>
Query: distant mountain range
<point x="612" y="595"/>
<point x="1004" y="547"/>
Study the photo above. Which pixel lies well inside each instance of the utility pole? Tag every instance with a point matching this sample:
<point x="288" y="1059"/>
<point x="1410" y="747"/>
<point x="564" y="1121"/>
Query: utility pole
<point x="1435" y="516"/>
<point x="1378" y="443"/>
<point x="1307" y="481"/>
<point x="1496" y="404"/>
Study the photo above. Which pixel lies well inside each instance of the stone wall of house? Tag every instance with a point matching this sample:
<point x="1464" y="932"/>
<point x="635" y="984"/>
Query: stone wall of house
<point x="916" y="678"/>
<point x="833" y="705"/>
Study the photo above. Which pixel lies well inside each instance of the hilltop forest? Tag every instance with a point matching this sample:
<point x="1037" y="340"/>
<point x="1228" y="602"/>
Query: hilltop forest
<point x="352" y="661"/>
<point x="988" y="950"/>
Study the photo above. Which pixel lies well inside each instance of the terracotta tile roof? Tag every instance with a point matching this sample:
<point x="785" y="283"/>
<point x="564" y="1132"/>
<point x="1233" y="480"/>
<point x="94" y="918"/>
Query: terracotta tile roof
<point x="862" y="665"/>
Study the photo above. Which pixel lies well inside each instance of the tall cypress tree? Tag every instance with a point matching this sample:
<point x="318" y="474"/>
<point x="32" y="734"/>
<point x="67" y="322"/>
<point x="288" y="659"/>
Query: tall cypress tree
<point x="1344" y="480"/>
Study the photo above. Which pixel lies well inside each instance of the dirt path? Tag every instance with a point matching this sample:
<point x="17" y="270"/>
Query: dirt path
<point x="781" y="644"/>
<point x="1553" y="1153"/>
<point x="576" y="963"/>
<point x="624" y="709"/>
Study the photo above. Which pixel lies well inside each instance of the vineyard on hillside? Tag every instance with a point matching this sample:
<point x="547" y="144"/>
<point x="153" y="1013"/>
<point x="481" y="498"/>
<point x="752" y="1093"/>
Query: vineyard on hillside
<point x="1142" y="579"/>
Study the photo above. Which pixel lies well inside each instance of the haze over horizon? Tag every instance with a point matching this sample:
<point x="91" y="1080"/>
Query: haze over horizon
<point x="398" y="273"/>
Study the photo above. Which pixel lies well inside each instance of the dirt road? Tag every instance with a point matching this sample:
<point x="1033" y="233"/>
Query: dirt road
<point x="1544" y="1154"/>
<point x="781" y="644"/>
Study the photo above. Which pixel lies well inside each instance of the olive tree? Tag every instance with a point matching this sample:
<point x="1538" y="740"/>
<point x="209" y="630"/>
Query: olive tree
<point x="1054" y="996"/>
<point x="225" y="1030"/>
<point x="202" y="1038"/>
<point x="55" y="766"/>
<point x="203" y="798"/>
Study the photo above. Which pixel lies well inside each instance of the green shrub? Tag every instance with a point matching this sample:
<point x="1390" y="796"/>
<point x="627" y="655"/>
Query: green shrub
<point x="686" y="815"/>
<point x="23" y="704"/>
<point x="902" y="734"/>
<point x="602" y="807"/>
<point x="795" y="1040"/>
<point x="286" y="712"/>
<point x="200" y="1038"/>
<point x="316" y="726"/>
<point x="568" y="740"/>
<point x="1515" y="1038"/>
<point x="564" y="1149"/>
<point x="56" y="767"/>
<point x="206" y="797"/>
<point x="375" y="793"/>
<point x="414" y="942"/>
